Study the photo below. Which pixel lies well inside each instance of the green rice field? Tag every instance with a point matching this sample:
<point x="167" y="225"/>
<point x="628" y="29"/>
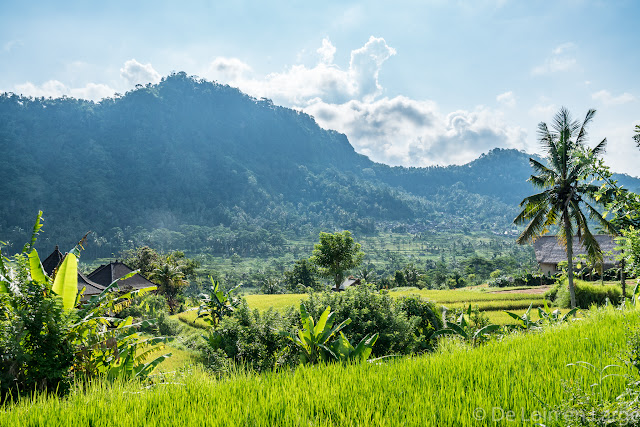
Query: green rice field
<point x="513" y="381"/>
<point x="488" y="300"/>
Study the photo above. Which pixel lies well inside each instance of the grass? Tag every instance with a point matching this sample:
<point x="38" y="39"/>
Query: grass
<point x="455" y="386"/>
<point x="492" y="303"/>
<point x="179" y="359"/>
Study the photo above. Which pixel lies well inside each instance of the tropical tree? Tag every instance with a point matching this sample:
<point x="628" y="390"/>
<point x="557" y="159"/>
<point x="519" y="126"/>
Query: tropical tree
<point x="566" y="190"/>
<point x="335" y="254"/>
<point x="170" y="280"/>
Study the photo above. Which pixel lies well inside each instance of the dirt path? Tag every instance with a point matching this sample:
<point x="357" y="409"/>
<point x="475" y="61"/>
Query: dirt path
<point x="533" y="291"/>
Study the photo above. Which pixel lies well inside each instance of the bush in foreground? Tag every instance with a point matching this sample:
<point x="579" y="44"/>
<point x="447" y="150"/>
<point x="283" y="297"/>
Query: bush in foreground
<point x="587" y="294"/>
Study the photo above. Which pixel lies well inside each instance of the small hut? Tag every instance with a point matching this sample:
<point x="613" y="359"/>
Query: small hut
<point x="549" y="252"/>
<point x="349" y="281"/>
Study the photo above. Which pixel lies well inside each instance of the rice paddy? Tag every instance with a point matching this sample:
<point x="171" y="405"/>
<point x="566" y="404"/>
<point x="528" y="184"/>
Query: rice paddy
<point x="516" y="380"/>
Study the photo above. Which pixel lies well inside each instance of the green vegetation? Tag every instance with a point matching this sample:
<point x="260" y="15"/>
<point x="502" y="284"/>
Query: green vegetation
<point x="335" y="254"/>
<point x="49" y="338"/>
<point x="566" y="190"/>
<point x="444" y="388"/>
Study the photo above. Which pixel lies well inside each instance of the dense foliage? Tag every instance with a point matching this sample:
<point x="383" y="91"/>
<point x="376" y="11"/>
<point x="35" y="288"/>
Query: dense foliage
<point x="404" y="326"/>
<point x="48" y="337"/>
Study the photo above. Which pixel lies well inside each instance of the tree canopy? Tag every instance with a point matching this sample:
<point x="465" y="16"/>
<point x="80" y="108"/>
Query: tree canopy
<point x="335" y="254"/>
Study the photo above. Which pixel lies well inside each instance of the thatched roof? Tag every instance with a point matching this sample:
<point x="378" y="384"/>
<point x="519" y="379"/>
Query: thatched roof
<point x="106" y="274"/>
<point x="349" y="281"/>
<point x="550" y="251"/>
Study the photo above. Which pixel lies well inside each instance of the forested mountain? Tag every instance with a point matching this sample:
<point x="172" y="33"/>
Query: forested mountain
<point x="206" y="161"/>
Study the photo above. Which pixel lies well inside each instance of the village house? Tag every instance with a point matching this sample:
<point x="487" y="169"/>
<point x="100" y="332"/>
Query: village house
<point x="55" y="259"/>
<point x="101" y="277"/>
<point x="549" y="252"/>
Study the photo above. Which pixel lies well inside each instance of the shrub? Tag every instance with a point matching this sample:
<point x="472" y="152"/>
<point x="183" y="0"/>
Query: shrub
<point x="552" y="294"/>
<point x="427" y="313"/>
<point x="253" y="339"/>
<point x="370" y="312"/>
<point x="501" y="282"/>
<point x="35" y="350"/>
<point x="588" y="293"/>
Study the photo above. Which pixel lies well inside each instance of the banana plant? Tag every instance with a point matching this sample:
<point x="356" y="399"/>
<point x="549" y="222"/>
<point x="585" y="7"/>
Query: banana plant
<point x="463" y="329"/>
<point x="217" y="304"/>
<point x="525" y="321"/>
<point x="345" y="352"/>
<point x="554" y="316"/>
<point x="313" y="339"/>
<point x="104" y="345"/>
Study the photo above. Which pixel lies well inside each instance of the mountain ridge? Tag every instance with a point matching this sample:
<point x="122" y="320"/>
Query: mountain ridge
<point x="190" y="152"/>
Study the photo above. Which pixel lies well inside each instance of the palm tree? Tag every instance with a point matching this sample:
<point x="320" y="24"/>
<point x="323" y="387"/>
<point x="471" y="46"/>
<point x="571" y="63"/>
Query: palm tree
<point x="170" y="279"/>
<point x="565" y="190"/>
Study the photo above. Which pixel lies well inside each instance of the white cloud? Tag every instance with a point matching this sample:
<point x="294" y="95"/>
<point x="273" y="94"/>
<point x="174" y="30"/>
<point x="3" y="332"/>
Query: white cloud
<point x="607" y="99"/>
<point x="559" y="50"/>
<point x="299" y="85"/>
<point x="558" y="61"/>
<point x="56" y="89"/>
<point x="326" y="51"/>
<point x="10" y="45"/>
<point x="136" y="73"/>
<point x="508" y="99"/>
<point x="622" y="153"/>
<point x="543" y="112"/>
<point x="365" y="66"/>
<point x="227" y="69"/>
<point x="397" y="131"/>
<point x="403" y="131"/>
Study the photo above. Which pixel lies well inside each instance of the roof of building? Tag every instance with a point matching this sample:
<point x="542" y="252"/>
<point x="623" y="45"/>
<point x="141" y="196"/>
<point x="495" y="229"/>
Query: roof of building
<point x="349" y="281"/>
<point x="91" y="287"/>
<point x="106" y="274"/>
<point x="550" y="251"/>
<point x="53" y="261"/>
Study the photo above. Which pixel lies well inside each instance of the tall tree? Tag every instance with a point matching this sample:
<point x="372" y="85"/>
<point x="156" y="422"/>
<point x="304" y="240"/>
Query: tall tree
<point x="566" y="191"/>
<point x="335" y="254"/>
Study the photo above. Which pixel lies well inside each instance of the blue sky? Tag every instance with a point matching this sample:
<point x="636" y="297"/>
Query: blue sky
<point x="410" y="83"/>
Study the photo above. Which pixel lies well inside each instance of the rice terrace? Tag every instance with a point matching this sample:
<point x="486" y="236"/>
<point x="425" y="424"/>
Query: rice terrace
<point x="319" y="214"/>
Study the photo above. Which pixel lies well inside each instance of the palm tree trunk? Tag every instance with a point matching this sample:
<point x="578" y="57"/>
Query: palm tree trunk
<point x="623" y="278"/>
<point x="567" y="233"/>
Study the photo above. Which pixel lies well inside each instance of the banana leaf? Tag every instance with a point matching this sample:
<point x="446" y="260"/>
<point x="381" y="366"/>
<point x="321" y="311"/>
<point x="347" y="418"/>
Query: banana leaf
<point x="65" y="283"/>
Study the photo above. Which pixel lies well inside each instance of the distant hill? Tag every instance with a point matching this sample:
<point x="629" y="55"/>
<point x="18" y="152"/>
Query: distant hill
<point x="206" y="160"/>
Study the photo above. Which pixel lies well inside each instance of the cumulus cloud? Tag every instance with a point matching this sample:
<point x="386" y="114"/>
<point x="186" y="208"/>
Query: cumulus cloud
<point x="299" y="84"/>
<point x="227" y="70"/>
<point x="398" y="130"/>
<point x="507" y="99"/>
<point x="56" y="89"/>
<point x="326" y="51"/>
<point x="608" y="99"/>
<point x="365" y="66"/>
<point x="403" y="131"/>
<point x="560" y="60"/>
<point x="136" y="73"/>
